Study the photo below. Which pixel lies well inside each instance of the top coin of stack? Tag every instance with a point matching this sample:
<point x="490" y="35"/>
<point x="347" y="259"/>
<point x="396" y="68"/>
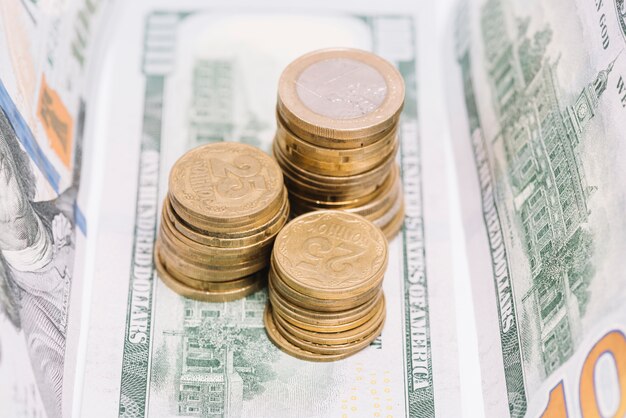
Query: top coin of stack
<point x="325" y="286"/>
<point x="225" y="205"/>
<point x="336" y="141"/>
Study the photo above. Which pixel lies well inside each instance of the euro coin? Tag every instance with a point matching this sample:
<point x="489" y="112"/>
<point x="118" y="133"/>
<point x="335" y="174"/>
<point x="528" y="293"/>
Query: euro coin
<point x="341" y="94"/>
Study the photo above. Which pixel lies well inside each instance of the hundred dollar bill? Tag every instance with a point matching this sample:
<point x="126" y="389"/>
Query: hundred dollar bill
<point x="44" y="55"/>
<point x="540" y="153"/>
<point x="179" y="78"/>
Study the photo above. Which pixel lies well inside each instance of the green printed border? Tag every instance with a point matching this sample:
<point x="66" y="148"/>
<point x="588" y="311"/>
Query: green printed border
<point x="509" y="337"/>
<point x="137" y="345"/>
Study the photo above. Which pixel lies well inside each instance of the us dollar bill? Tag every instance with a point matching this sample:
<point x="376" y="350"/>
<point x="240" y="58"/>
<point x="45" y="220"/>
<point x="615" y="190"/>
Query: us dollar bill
<point x="44" y="61"/>
<point x="539" y="156"/>
<point x="207" y="77"/>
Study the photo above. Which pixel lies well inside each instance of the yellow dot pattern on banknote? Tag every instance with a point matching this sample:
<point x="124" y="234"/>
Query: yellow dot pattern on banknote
<point x="370" y="395"/>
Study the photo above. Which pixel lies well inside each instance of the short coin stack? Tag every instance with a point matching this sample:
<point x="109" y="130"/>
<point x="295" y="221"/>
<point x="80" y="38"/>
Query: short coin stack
<point x="325" y="286"/>
<point x="336" y="141"/>
<point x="225" y="206"/>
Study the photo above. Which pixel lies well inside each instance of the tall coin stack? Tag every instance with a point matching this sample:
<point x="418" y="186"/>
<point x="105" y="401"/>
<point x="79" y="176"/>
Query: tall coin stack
<point x="325" y="286"/>
<point x="336" y="141"/>
<point x="226" y="204"/>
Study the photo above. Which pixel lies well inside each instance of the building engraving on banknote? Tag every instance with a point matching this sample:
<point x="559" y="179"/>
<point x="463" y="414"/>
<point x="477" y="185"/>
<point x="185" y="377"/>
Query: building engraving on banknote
<point x="219" y="356"/>
<point x="223" y="357"/>
<point x="533" y="170"/>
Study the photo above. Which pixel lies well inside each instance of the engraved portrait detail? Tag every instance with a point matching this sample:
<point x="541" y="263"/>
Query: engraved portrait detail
<point x="36" y="264"/>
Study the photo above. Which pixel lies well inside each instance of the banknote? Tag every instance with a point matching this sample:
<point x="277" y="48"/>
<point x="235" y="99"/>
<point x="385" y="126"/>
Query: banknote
<point x="540" y="90"/>
<point x="184" y="77"/>
<point x="43" y="68"/>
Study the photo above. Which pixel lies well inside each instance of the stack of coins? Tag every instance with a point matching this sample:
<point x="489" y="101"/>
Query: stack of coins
<point x="226" y="204"/>
<point x="325" y="286"/>
<point x="336" y="141"/>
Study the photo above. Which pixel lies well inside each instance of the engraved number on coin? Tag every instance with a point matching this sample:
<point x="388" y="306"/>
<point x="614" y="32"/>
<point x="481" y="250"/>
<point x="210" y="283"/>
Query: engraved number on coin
<point x="316" y="251"/>
<point x="239" y="178"/>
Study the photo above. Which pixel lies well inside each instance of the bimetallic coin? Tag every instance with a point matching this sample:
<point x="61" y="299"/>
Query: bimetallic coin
<point x="204" y="295"/>
<point x="276" y="337"/>
<point x="341" y="93"/>
<point x="224" y="183"/>
<point x="330" y="255"/>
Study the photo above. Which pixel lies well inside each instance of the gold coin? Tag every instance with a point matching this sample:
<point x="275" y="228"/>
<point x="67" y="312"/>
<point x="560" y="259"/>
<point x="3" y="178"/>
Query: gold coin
<point x="325" y="304"/>
<point x="276" y="337"/>
<point x="215" y="259"/>
<point x="330" y="193"/>
<point x="330" y="204"/>
<point x="205" y="295"/>
<point x="386" y="198"/>
<point x="330" y="255"/>
<point x="395" y="225"/>
<point x="313" y="323"/>
<point x="332" y="143"/>
<point x="326" y="336"/>
<point x="325" y="349"/>
<point x="181" y="258"/>
<point x="327" y="166"/>
<point x="229" y="230"/>
<point x="181" y="266"/>
<point x="392" y="214"/>
<point x="225" y="183"/>
<point x="360" y="181"/>
<point x="290" y="141"/>
<point x="320" y="318"/>
<point x="230" y="285"/>
<point x="214" y="254"/>
<point x="362" y="205"/>
<point x="229" y="239"/>
<point x="341" y="94"/>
